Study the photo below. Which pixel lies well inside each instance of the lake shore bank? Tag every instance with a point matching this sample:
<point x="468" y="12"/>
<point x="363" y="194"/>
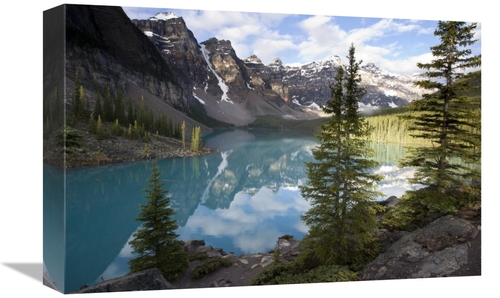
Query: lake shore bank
<point x="115" y="149"/>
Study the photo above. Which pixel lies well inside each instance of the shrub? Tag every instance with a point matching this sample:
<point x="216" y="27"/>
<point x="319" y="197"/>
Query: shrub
<point x="209" y="266"/>
<point x="418" y="208"/>
<point x="280" y="273"/>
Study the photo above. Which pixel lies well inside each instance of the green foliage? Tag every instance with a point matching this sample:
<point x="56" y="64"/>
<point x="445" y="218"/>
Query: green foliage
<point x="119" y="109"/>
<point x="392" y="128"/>
<point x="416" y="209"/>
<point x="293" y="273"/>
<point x="69" y="137"/>
<point x="183" y="135"/>
<point x="101" y="132"/>
<point x="155" y="244"/>
<point x="209" y="266"/>
<point x="107" y="107"/>
<point x="98" y="107"/>
<point x="117" y="130"/>
<point x="92" y="124"/>
<point x="341" y="189"/>
<point x="78" y="104"/>
<point x="420" y="207"/>
<point x="196" y="142"/>
<point x="449" y="118"/>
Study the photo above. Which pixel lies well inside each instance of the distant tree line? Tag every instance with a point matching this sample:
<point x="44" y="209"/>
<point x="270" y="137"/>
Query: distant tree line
<point x="110" y="116"/>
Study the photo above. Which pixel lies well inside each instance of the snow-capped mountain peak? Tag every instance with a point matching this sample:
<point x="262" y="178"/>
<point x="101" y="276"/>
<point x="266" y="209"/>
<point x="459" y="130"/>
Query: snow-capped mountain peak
<point x="163" y="16"/>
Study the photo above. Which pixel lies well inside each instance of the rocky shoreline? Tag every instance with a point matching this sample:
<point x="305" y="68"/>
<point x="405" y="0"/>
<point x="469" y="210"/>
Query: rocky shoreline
<point x="449" y="246"/>
<point x="115" y="149"/>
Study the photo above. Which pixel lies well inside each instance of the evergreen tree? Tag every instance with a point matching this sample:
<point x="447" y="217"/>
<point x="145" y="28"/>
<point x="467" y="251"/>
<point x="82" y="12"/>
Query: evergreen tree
<point x="98" y="107"/>
<point x="450" y="117"/>
<point x="341" y="188"/>
<point x="78" y="103"/>
<point x="155" y="243"/>
<point x="93" y="125"/>
<point x="130" y="112"/>
<point x="117" y="130"/>
<point x="100" y="133"/>
<point x="120" y="107"/>
<point x="196" y="142"/>
<point x="107" y="107"/>
<point x="183" y="135"/>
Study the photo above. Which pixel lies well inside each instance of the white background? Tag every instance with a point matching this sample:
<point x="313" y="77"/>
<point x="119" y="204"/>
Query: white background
<point x="21" y="146"/>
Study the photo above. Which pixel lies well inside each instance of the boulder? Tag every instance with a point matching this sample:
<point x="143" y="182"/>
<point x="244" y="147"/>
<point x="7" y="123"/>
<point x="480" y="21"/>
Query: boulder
<point x="202" y="249"/>
<point x="191" y="246"/>
<point x="440" y="249"/>
<point x="150" y="279"/>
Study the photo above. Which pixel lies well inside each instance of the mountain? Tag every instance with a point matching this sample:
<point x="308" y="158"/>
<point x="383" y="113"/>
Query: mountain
<point x="297" y="87"/>
<point x="159" y="61"/>
<point x="306" y="83"/>
<point x="228" y="90"/>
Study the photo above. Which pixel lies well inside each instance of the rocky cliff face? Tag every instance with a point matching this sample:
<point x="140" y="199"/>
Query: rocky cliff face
<point x="106" y="49"/>
<point x="162" y="57"/>
<point x="211" y="66"/>
<point x="308" y="84"/>
<point x="178" y="46"/>
<point x="388" y="90"/>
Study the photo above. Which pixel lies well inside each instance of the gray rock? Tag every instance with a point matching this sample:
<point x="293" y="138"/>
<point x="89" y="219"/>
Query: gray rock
<point x="438" y="250"/>
<point x="191" y="246"/>
<point x="141" y="281"/>
<point x="445" y="232"/>
<point x="266" y="260"/>
<point x="214" y="254"/>
<point x="204" y="248"/>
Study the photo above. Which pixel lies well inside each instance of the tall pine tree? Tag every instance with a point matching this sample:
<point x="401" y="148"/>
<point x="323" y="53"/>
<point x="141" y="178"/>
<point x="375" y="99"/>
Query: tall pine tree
<point x="155" y="243"/>
<point x="341" y="188"/>
<point x="449" y="116"/>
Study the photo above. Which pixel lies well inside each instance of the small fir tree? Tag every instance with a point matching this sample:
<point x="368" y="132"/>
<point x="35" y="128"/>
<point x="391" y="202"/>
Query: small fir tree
<point x="98" y="107"/>
<point x="92" y="124"/>
<point x="100" y="133"/>
<point x="117" y="130"/>
<point x="196" y="142"/>
<point x="107" y="107"/>
<point x="155" y="244"/>
<point x="120" y="107"/>
<point x="341" y="189"/>
<point x="183" y="137"/>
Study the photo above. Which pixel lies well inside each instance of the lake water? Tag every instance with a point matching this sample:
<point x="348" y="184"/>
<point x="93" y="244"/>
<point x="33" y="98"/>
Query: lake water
<point x="240" y="198"/>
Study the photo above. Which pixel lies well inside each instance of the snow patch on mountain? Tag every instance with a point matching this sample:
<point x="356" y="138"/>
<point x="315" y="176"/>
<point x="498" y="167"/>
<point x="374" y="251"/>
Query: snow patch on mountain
<point x="222" y="84"/>
<point x="313" y="106"/>
<point x="199" y="99"/>
<point x="163" y="16"/>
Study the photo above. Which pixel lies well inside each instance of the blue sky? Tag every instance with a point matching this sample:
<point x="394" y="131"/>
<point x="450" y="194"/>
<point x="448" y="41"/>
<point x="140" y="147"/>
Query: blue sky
<point x="395" y="45"/>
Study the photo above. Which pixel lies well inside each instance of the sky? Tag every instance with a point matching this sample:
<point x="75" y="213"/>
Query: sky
<point x="395" y="45"/>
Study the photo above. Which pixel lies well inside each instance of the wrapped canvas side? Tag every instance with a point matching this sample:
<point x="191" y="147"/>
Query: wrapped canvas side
<point x="53" y="123"/>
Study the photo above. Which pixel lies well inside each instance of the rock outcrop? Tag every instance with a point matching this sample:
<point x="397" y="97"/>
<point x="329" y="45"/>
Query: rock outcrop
<point x="141" y="281"/>
<point x="103" y="48"/>
<point x="440" y="249"/>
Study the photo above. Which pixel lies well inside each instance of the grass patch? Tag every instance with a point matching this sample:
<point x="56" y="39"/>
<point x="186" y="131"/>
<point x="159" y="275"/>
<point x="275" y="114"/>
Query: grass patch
<point x="289" y="273"/>
<point x="209" y="266"/>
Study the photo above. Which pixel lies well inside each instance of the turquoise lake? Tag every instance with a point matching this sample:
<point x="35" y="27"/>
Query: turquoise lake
<point x="240" y="198"/>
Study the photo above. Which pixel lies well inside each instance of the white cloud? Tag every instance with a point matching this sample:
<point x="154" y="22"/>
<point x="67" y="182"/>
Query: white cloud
<point x="393" y="43"/>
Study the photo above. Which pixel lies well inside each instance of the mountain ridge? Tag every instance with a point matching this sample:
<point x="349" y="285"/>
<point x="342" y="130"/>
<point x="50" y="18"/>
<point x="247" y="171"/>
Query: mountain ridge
<point x="206" y="81"/>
